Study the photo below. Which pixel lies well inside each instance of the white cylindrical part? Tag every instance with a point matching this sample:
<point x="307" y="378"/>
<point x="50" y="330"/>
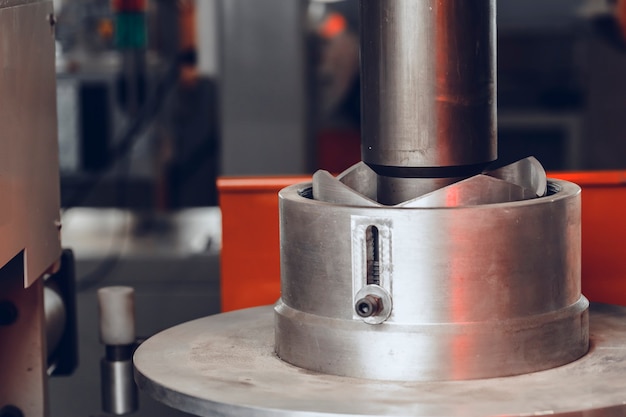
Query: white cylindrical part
<point x="117" y="315"/>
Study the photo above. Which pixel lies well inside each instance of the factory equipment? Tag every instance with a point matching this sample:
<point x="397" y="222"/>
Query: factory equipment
<point x="37" y="313"/>
<point x="116" y="306"/>
<point x="425" y="280"/>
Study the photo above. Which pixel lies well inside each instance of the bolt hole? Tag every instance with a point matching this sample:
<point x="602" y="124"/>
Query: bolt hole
<point x="8" y="314"/>
<point x="365" y="309"/>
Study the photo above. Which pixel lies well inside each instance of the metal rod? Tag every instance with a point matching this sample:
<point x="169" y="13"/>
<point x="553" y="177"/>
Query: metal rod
<point x="428" y="86"/>
<point x="119" y="392"/>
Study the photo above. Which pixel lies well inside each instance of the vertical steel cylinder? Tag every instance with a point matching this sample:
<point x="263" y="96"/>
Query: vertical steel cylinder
<point x="119" y="392"/>
<point x="428" y="86"/>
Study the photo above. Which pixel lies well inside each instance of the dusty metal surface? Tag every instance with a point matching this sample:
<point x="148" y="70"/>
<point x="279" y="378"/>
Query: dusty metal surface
<point x="225" y="366"/>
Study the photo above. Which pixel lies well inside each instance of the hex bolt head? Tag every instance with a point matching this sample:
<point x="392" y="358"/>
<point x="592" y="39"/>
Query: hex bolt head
<point x="8" y="315"/>
<point x="368" y="306"/>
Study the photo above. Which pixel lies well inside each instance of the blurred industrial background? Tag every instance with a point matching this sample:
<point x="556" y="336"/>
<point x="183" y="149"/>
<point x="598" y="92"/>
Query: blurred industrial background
<point x="152" y="111"/>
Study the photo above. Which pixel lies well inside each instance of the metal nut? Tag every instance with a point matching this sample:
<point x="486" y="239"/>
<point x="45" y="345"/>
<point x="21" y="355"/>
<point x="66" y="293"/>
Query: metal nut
<point x="368" y="306"/>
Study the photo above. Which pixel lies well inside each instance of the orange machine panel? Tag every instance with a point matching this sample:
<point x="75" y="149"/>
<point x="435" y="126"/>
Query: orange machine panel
<point x="250" y="258"/>
<point x="603" y="233"/>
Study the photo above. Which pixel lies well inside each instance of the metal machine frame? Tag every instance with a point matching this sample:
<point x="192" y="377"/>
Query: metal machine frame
<point x="29" y="214"/>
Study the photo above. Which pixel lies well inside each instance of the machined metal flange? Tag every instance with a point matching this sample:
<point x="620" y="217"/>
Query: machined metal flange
<point x="225" y="366"/>
<point x="426" y="290"/>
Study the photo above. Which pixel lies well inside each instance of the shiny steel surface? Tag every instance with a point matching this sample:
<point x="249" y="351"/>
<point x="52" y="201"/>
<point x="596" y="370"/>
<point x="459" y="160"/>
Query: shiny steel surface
<point x="477" y="291"/>
<point x="479" y="189"/>
<point x="396" y="190"/>
<point x="225" y="366"/>
<point x="428" y="83"/>
<point x="527" y="173"/>
<point x="362" y="179"/>
<point x="119" y="392"/>
<point x="327" y="188"/>
<point x="359" y="185"/>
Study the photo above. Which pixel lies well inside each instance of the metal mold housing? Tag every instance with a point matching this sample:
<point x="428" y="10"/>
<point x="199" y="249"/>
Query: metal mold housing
<point x="477" y="291"/>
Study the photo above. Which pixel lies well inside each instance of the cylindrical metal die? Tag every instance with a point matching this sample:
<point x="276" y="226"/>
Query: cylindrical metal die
<point x="428" y="84"/>
<point x="476" y="291"/>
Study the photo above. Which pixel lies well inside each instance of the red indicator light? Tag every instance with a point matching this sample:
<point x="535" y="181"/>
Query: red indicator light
<point x="128" y="5"/>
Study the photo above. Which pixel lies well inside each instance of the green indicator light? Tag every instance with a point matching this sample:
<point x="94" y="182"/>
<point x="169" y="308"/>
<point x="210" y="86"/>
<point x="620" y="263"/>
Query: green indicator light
<point x="130" y="31"/>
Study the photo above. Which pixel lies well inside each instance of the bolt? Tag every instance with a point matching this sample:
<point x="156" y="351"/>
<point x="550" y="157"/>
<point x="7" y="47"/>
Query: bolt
<point x="52" y="19"/>
<point x="11" y="411"/>
<point x="368" y="306"/>
<point x="8" y="315"/>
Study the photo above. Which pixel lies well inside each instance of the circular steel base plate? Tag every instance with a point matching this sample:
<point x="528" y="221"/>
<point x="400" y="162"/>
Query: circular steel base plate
<point x="225" y="365"/>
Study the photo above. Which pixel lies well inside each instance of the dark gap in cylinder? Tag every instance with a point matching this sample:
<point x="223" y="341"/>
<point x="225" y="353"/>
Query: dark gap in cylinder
<point x="373" y="255"/>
